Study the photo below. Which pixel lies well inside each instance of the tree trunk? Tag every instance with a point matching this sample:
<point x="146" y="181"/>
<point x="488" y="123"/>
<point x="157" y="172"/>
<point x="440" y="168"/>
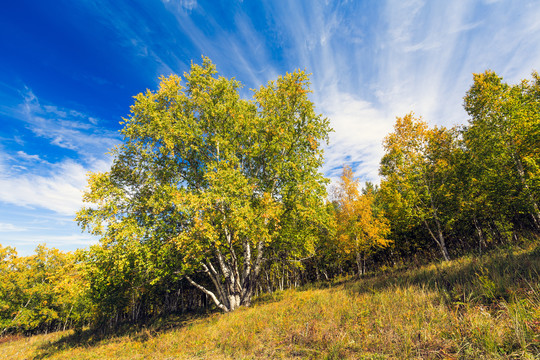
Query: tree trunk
<point x="233" y="288"/>
<point x="359" y="263"/>
<point x="439" y="240"/>
<point x="482" y="241"/>
<point x="364" y="263"/>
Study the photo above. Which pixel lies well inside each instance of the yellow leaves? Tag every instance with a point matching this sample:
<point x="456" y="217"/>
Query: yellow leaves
<point x="39" y="289"/>
<point x="359" y="229"/>
<point x="312" y="143"/>
<point x="169" y="144"/>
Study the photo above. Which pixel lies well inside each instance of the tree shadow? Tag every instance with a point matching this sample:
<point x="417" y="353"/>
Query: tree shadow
<point x="140" y="332"/>
<point x="268" y="297"/>
<point x="489" y="279"/>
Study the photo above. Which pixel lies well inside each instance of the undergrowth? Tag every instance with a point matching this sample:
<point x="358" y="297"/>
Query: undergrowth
<point x="471" y="308"/>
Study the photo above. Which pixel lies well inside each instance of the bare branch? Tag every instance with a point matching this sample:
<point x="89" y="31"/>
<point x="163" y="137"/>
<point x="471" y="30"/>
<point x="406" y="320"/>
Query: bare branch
<point x="209" y="293"/>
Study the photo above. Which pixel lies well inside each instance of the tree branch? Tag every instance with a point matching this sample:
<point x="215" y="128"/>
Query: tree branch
<point x="215" y="279"/>
<point x="209" y="293"/>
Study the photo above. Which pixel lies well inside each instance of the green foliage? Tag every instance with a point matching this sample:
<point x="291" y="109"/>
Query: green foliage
<point x="131" y="282"/>
<point x="418" y="171"/>
<point x="503" y="143"/>
<point x="209" y="182"/>
<point x="471" y="187"/>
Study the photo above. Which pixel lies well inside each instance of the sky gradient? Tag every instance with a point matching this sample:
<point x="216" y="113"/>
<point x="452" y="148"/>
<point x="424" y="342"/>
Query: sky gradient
<point x="69" y="71"/>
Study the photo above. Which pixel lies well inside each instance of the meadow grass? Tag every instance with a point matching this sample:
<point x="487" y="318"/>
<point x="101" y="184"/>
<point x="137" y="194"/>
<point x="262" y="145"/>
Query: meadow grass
<point x="471" y="308"/>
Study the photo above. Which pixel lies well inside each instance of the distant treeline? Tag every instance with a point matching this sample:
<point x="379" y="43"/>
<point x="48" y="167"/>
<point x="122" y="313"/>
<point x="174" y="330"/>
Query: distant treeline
<point x="194" y="219"/>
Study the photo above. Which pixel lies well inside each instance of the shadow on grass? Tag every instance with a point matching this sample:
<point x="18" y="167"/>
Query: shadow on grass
<point x="488" y="280"/>
<point x="135" y="332"/>
<point x="268" y="298"/>
<point x="138" y="332"/>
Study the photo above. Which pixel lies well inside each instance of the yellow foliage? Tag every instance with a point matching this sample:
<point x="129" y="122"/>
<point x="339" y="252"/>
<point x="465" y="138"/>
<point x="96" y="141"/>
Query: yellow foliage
<point x="359" y="229"/>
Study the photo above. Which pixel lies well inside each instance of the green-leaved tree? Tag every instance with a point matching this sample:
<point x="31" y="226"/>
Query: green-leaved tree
<point x="418" y="177"/>
<point x="219" y="179"/>
<point x="503" y="139"/>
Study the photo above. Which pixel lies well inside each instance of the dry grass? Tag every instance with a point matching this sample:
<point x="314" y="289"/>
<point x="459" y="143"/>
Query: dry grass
<point x="444" y="311"/>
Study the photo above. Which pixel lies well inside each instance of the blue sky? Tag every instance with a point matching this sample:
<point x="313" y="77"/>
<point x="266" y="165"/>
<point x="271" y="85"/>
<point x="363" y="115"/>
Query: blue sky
<point x="69" y="71"/>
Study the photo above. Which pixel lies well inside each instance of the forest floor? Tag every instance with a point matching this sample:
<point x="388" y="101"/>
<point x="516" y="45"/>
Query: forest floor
<point x="472" y="308"/>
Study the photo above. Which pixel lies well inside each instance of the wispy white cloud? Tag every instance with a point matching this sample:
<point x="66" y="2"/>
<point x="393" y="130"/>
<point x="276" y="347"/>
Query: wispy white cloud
<point x="18" y="140"/>
<point x="357" y="138"/>
<point x="141" y="32"/>
<point x="422" y="54"/>
<point x="329" y="46"/>
<point x="73" y="240"/>
<point x="241" y="52"/>
<point x="66" y="128"/>
<point x="6" y="227"/>
<point x="27" y="157"/>
<point x="186" y="5"/>
<point x="42" y="181"/>
<point x="60" y="190"/>
<point x="26" y="242"/>
<point x="431" y="50"/>
<point x="371" y="63"/>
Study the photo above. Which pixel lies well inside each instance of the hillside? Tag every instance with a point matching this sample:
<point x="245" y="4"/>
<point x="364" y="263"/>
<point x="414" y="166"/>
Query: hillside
<point x="470" y="308"/>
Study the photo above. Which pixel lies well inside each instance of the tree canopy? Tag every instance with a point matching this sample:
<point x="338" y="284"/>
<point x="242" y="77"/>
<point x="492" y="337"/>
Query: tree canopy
<point x="503" y="138"/>
<point x="214" y="179"/>
<point x="418" y="175"/>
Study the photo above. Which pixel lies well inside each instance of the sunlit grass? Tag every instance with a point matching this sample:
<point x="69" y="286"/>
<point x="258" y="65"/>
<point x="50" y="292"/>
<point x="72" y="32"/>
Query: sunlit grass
<point x="470" y="308"/>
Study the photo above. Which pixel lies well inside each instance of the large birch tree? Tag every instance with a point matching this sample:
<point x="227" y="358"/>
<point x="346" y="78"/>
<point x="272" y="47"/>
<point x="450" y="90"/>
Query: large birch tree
<point x="221" y="179"/>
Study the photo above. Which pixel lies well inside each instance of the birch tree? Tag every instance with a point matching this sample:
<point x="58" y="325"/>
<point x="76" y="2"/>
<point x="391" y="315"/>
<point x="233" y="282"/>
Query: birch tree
<point x="222" y="179"/>
<point x="359" y="228"/>
<point x="418" y="176"/>
<point x="503" y="137"/>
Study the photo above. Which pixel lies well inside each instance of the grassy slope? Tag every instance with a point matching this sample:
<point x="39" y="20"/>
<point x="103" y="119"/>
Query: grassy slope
<point x="469" y="308"/>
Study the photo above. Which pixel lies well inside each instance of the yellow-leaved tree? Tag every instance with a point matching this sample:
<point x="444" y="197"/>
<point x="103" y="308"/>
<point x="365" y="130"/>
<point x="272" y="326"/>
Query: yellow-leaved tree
<point x="360" y="228"/>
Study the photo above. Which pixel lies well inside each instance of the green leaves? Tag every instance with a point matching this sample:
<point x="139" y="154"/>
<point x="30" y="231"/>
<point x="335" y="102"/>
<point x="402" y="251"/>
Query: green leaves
<point x="219" y="177"/>
<point x="419" y="177"/>
<point x="481" y="180"/>
<point x="503" y="139"/>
